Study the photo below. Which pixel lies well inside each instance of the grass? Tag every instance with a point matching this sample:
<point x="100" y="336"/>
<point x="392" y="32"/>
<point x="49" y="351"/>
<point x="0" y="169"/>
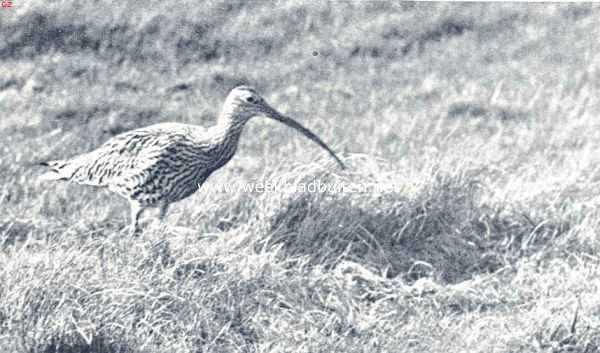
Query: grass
<point x="482" y="115"/>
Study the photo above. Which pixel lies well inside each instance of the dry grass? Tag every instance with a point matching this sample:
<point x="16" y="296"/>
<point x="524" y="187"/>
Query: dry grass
<point x="483" y="115"/>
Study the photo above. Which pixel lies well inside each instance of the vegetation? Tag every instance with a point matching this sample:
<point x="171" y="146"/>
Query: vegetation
<point x="484" y="117"/>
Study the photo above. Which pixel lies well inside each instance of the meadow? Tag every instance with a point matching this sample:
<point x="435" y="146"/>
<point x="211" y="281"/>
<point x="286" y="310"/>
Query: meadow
<point x="484" y="117"/>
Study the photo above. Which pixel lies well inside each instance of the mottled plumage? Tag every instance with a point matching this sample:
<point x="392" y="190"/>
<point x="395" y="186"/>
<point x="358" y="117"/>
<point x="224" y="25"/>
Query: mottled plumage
<point x="160" y="164"/>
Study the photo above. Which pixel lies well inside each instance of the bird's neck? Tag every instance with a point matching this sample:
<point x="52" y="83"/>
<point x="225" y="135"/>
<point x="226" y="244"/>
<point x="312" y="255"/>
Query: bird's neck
<point x="228" y="127"/>
<point x="225" y="136"/>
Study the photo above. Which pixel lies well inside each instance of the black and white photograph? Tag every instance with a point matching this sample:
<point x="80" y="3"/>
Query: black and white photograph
<point x="299" y="176"/>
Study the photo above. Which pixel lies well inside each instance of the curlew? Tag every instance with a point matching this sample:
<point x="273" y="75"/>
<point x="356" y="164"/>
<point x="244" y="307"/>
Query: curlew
<point x="160" y="164"/>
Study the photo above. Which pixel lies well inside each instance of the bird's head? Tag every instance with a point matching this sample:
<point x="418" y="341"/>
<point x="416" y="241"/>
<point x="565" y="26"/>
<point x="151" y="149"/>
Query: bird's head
<point x="243" y="103"/>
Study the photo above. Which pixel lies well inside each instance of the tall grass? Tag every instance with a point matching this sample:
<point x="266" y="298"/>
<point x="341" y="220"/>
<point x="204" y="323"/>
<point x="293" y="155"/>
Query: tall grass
<point x="481" y="115"/>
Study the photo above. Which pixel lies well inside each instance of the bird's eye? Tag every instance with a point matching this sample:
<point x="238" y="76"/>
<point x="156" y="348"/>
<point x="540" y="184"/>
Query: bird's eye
<point x="250" y="99"/>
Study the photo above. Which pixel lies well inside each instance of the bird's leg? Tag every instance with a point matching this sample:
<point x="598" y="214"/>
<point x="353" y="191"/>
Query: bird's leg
<point x="136" y="212"/>
<point x="162" y="212"/>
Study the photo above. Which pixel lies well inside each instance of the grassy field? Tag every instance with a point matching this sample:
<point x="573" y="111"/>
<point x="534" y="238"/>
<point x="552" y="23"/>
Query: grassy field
<point x="484" y="117"/>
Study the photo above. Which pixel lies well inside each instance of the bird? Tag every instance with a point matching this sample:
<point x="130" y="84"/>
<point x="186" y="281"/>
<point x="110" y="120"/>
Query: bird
<point x="157" y="165"/>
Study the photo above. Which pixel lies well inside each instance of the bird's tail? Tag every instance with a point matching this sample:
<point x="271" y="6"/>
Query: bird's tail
<point x="59" y="170"/>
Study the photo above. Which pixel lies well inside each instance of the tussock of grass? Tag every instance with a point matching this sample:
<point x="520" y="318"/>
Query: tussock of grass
<point x="387" y="231"/>
<point x="445" y="226"/>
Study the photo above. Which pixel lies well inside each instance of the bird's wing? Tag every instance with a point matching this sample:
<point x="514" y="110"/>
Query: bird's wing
<point x="126" y="154"/>
<point x="171" y="172"/>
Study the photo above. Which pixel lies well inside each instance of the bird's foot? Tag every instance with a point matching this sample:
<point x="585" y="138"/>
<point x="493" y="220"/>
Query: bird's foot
<point x="134" y="231"/>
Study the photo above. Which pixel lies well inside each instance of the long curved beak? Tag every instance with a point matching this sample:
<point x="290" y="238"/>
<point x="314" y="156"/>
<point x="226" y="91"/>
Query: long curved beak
<point x="275" y="115"/>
